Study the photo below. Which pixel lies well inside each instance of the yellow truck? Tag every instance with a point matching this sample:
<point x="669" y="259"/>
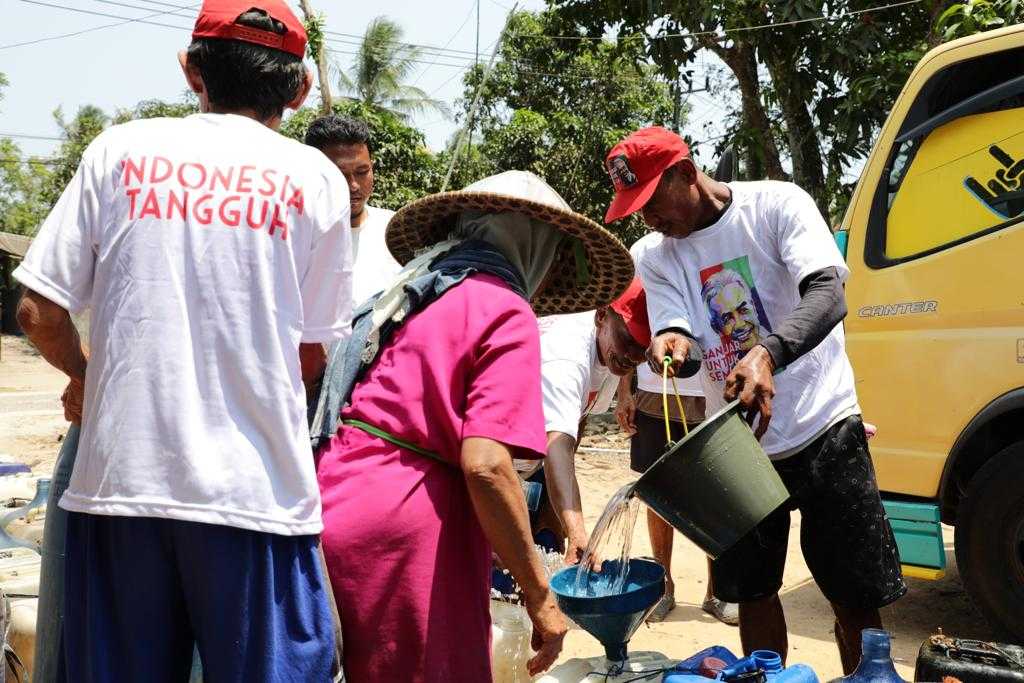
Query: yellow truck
<point x="935" y="245"/>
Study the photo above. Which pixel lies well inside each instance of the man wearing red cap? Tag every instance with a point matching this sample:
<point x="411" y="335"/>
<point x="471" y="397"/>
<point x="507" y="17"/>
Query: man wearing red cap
<point x="214" y="256"/>
<point x="582" y="354"/>
<point x="748" y="283"/>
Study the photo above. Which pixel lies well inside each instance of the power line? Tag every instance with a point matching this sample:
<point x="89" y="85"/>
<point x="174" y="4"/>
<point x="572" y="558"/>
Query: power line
<point x="422" y="50"/>
<point x="465" y="21"/>
<point x="148" y="9"/>
<point x="476" y="97"/>
<point x="721" y="35"/>
<point x="414" y="61"/>
<point x="139" y="20"/>
<point x="94" y="28"/>
<point x="352" y="37"/>
<point x="36" y="162"/>
<point x="30" y="137"/>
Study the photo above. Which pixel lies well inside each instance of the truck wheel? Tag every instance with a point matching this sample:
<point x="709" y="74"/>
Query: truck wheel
<point x="990" y="540"/>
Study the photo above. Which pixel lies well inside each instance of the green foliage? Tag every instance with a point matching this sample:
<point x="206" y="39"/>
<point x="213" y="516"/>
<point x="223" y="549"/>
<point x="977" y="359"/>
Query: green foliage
<point x="315" y="35"/>
<point x="404" y="169"/>
<point x="556" y="110"/>
<point x="151" y="109"/>
<point x="22" y="207"/>
<point x="382" y="65"/>
<point x="77" y="133"/>
<point x="973" y="16"/>
<point x="826" y="87"/>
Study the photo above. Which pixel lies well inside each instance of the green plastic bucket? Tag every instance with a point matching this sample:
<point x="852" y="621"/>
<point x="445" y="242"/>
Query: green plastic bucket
<point x="715" y="485"/>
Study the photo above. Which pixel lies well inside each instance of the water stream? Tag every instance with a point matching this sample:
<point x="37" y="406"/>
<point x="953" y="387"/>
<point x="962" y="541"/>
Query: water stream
<point x="609" y="547"/>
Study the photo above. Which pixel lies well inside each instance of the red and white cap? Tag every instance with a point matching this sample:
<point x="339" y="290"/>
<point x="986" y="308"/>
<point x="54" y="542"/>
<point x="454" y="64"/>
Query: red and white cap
<point x="636" y="165"/>
<point x="217" y="20"/>
<point x="632" y="306"/>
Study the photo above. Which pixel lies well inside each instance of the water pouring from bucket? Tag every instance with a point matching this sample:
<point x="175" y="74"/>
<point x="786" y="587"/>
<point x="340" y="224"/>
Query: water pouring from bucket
<point x="714" y="486"/>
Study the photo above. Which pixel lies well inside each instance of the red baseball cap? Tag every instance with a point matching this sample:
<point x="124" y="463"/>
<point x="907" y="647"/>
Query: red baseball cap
<point x="217" y="20"/>
<point x="632" y="306"/>
<point x="636" y="165"/>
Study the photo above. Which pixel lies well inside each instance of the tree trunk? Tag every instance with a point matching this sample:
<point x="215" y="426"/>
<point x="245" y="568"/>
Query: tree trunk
<point x="762" y="153"/>
<point x="323" y="76"/>
<point x="794" y="98"/>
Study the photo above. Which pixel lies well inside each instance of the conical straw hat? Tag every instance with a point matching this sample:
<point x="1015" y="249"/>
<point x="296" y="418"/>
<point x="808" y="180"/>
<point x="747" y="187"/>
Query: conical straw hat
<point x="597" y="278"/>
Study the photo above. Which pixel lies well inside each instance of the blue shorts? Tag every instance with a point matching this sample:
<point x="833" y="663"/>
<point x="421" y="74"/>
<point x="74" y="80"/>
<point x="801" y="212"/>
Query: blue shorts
<point x="140" y="593"/>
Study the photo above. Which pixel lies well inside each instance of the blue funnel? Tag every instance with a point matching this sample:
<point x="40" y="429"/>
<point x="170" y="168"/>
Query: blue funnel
<point x="610" y="617"/>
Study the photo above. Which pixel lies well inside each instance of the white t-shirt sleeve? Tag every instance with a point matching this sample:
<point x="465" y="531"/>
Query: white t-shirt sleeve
<point x="565" y="386"/>
<point x="326" y="286"/>
<point x="804" y="241"/>
<point x="60" y="263"/>
<point x="665" y="294"/>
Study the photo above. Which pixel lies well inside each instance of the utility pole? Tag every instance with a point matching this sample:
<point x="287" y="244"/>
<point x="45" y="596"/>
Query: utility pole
<point x="320" y="54"/>
<point x="461" y="134"/>
<point x="476" y="62"/>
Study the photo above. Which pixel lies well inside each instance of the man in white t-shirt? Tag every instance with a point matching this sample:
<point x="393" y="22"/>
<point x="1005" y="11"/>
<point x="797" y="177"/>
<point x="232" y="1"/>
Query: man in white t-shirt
<point x="348" y="143"/>
<point x="748" y="281"/>
<point x="582" y="356"/>
<point x="642" y="417"/>
<point x="214" y="256"/>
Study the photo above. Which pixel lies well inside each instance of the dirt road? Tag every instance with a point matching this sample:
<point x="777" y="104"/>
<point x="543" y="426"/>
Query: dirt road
<point x="31" y="424"/>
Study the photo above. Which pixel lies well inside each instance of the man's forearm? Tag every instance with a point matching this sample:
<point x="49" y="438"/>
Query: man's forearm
<point x="563" y="488"/>
<point x="50" y="328"/>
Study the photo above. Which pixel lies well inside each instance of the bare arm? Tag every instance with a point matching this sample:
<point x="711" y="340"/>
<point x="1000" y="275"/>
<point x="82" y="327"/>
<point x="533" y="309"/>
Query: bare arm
<point x="625" y="404"/>
<point x="564" y="492"/>
<point x="501" y="509"/>
<point x="50" y="329"/>
<point x="313" y="361"/>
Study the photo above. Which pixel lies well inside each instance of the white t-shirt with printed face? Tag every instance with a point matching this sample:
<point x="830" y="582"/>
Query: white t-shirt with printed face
<point x="373" y="265"/>
<point x="574" y="383"/>
<point x="646" y="379"/>
<point x="207" y="249"/>
<point x="733" y="282"/>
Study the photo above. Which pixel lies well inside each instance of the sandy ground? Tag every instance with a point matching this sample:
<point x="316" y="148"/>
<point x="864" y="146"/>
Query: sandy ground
<point x="32" y="424"/>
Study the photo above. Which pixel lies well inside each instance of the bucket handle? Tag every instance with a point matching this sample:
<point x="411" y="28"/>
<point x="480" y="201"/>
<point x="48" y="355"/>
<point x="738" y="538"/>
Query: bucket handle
<point x="664" y="403"/>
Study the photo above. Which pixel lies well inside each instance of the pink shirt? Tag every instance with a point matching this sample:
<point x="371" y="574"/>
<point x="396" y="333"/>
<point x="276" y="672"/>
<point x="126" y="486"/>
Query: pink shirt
<point x="407" y="558"/>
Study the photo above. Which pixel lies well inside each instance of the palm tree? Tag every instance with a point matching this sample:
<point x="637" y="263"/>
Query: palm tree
<point x="382" y="64"/>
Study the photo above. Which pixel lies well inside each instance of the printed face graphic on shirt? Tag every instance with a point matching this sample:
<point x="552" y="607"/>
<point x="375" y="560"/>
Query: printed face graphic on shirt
<point x="735" y="313"/>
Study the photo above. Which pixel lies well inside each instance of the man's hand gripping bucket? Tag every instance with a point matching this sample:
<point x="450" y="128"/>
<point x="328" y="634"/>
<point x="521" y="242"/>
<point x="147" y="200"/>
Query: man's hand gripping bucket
<point x="716" y="484"/>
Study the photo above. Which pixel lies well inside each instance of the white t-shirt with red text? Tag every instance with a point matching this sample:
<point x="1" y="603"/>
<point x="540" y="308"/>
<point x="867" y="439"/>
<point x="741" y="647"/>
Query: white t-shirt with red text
<point x="733" y="282"/>
<point x="207" y="249"/>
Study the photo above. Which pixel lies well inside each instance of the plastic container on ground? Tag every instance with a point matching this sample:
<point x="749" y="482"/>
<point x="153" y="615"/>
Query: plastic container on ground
<point x="510" y="643"/>
<point x="593" y="670"/>
<point x="875" y="660"/>
<point x="761" y="665"/>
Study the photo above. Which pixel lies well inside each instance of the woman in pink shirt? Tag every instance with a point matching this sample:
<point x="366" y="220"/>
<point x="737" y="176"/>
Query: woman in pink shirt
<point x="418" y="486"/>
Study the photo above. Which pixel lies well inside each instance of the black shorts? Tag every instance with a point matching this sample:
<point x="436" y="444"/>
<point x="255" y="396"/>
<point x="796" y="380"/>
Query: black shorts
<point x="648" y="444"/>
<point x="845" y="535"/>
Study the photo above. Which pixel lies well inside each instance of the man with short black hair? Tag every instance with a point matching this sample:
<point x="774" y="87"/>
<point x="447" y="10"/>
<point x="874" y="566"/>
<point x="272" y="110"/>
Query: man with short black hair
<point x="214" y="255"/>
<point x="348" y="143"/>
<point x="748" y="282"/>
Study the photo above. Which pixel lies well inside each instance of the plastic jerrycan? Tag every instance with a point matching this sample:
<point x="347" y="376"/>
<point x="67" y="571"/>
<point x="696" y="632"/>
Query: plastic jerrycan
<point x="700" y="666"/>
<point x="875" y="660"/>
<point x="765" y="665"/>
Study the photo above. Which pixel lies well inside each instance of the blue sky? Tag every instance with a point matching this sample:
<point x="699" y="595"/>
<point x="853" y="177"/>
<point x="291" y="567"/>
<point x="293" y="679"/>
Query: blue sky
<point x="118" y="66"/>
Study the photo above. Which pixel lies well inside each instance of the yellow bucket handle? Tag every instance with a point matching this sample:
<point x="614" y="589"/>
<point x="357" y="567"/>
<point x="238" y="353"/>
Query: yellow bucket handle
<point x="664" y="402"/>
